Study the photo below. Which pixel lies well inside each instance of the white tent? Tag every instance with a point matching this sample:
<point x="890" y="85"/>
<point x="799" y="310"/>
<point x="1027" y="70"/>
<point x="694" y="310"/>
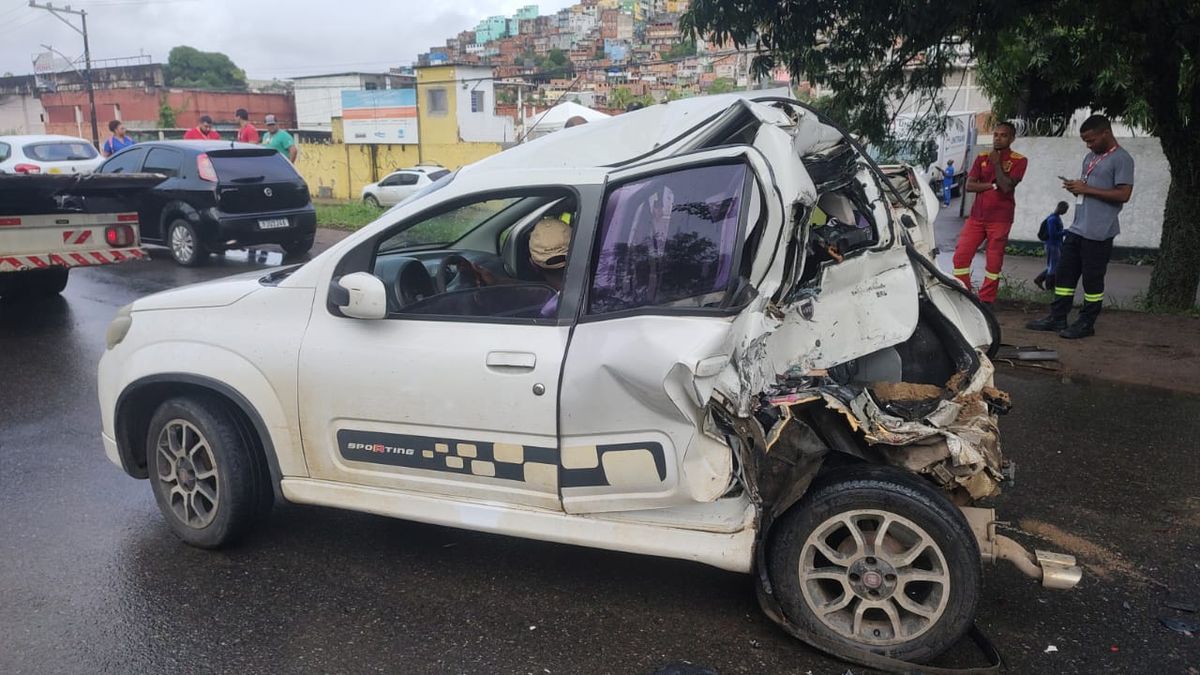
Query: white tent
<point x="555" y="118"/>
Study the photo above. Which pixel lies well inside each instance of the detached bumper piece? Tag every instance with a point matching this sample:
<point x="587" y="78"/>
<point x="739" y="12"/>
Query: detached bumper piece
<point x="1054" y="570"/>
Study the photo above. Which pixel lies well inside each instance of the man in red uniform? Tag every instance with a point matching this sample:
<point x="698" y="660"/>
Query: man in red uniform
<point x="994" y="177"/>
<point x="203" y="131"/>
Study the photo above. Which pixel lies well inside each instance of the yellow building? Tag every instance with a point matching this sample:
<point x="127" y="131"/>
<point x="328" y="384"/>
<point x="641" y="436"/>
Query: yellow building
<point x="456" y="125"/>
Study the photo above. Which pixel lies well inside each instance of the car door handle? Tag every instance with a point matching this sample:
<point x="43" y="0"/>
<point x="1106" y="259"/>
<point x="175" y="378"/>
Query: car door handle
<point x="511" y="360"/>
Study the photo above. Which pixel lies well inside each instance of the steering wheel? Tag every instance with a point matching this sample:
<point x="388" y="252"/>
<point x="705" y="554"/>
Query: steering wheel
<point x="465" y="278"/>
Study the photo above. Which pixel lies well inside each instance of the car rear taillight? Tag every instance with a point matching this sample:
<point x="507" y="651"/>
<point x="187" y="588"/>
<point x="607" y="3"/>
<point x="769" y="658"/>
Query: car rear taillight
<point x="205" y="168"/>
<point x="27" y="168"/>
<point x="119" y="235"/>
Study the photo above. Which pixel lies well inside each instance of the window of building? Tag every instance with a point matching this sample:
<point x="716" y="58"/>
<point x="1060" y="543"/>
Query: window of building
<point x="371" y="86"/>
<point x="435" y="101"/>
<point x="478" y="101"/>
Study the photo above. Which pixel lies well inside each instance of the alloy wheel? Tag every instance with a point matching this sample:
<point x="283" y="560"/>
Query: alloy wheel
<point x="874" y="577"/>
<point x="186" y="464"/>
<point x="182" y="244"/>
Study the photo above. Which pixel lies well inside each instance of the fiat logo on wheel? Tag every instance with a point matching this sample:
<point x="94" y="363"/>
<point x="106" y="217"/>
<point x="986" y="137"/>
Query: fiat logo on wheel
<point x="267" y="192"/>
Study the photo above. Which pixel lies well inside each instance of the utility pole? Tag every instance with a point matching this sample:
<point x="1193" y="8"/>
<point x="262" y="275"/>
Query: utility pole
<point x="87" y="55"/>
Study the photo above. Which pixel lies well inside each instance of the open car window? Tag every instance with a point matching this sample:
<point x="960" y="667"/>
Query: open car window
<point x="446" y="228"/>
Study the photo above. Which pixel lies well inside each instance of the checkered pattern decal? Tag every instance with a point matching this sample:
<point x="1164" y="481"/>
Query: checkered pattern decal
<point x="575" y="467"/>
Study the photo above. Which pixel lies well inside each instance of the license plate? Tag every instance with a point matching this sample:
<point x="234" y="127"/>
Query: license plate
<point x="272" y="224"/>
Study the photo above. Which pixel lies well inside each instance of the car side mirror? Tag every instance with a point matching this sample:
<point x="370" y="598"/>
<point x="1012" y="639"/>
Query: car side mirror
<point x="360" y="295"/>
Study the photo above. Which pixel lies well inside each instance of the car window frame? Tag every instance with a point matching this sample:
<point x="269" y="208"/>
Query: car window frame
<point x="5" y="151"/>
<point x="177" y="154"/>
<point x="416" y="178"/>
<point x="737" y="274"/>
<point x="124" y="154"/>
<point x="361" y="258"/>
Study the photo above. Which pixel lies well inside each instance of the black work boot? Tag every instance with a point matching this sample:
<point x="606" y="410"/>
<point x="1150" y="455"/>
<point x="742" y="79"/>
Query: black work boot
<point x="1037" y="281"/>
<point x="1085" y="325"/>
<point x="1057" y="320"/>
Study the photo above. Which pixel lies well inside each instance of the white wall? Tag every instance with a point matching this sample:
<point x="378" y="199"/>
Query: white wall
<point x="484" y="126"/>
<point x="1141" y="219"/>
<point x="21" y="114"/>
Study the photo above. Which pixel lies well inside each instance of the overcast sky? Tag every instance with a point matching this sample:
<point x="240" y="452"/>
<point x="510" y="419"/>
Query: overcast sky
<point x="266" y="39"/>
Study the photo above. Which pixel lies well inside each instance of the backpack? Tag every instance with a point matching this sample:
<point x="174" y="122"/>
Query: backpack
<point x="1044" y="229"/>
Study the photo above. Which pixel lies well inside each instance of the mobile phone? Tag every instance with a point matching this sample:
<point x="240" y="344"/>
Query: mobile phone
<point x="1063" y="178"/>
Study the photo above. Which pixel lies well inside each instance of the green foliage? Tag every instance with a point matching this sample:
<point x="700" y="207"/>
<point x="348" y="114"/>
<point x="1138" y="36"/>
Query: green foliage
<point x="1040" y="60"/>
<point x="682" y="50"/>
<point x="166" y="114"/>
<point x="722" y="85"/>
<point x="345" y="215"/>
<point x="192" y="68"/>
<point x="620" y="97"/>
<point x="556" y="58"/>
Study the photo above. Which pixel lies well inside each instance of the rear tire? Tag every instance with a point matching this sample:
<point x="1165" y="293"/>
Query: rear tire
<point x="372" y="200"/>
<point x="207" y="479"/>
<point x="298" y="247"/>
<point x="911" y="597"/>
<point x="39" y="283"/>
<point x="184" y="243"/>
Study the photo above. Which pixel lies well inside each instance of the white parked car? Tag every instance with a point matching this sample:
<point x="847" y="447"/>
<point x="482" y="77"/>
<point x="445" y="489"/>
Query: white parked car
<point x="398" y="185"/>
<point x="720" y="340"/>
<point x="47" y="154"/>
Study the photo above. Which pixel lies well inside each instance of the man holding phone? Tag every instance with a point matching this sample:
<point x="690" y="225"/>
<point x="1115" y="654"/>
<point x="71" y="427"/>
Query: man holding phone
<point x="994" y="177"/>
<point x="1105" y="184"/>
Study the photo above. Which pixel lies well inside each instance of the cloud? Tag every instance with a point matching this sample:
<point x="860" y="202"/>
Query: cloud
<point x="266" y="39"/>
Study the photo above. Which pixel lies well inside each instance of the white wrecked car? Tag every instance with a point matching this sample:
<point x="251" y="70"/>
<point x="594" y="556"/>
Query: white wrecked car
<point x="738" y="353"/>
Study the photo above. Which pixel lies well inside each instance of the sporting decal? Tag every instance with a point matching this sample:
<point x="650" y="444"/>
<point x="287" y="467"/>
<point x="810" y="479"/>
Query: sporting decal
<point x="580" y="466"/>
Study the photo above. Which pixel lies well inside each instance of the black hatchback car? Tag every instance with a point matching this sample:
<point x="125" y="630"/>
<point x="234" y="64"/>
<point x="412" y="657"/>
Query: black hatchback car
<point x="219" y="195"/>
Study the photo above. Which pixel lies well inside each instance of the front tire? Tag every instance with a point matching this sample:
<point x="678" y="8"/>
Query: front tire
<point x="206" y="478"/>
<point x="875" y="558"/>
<point x="372" y="200"/>
<point x="184" y="243"/>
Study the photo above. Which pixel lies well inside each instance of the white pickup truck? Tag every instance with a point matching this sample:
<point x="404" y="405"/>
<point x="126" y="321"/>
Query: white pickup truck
<point x="52" y="223"/>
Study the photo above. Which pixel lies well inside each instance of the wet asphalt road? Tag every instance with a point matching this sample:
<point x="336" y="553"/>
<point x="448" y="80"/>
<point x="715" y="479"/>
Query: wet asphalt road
<point x="92" y="581"/>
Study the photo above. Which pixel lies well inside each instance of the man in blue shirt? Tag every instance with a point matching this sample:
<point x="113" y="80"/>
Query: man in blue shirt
<point x="118" y="141"/>
<point x="1051" y="232"/>
<point x="947" y="182"/>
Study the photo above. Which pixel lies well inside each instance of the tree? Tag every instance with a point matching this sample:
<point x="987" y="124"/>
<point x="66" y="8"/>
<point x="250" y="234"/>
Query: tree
<point x="620" y="98"/>
<point x="1138" y="60"/>
<point x="166" y="114"/>
<point x="722" y="85"/>
<point x="192" y="68"/>
<point x="681" y="50"/>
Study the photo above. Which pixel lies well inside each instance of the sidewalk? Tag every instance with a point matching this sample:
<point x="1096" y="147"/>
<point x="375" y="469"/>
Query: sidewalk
<point x="1122" y="285"/>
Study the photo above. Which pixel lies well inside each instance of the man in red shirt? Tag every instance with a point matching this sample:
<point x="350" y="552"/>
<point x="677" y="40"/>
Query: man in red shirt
<point x="994" y="178"/>
<point x="246" y="131"/>
<point x="202" y="132"/>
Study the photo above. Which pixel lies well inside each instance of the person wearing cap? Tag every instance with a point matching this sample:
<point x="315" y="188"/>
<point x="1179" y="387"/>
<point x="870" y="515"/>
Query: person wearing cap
<point x="549" y="243"/>
<point x="203" y="131"/>
<point x="246" y="131"/>
<point x="279" y="139"/>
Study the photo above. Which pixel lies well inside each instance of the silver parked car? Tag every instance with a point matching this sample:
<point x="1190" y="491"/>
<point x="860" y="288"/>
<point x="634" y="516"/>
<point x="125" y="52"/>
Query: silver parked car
<point x="44" y="153"/>
<point x="398" y="185"/>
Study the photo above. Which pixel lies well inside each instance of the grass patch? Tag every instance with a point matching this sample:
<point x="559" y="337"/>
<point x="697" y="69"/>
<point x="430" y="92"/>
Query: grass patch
<point x="1021" y="291"/>
<point x="345" y="215"/>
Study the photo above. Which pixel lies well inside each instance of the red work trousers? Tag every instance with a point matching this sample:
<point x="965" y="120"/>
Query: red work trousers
<point x="973" y="233"/>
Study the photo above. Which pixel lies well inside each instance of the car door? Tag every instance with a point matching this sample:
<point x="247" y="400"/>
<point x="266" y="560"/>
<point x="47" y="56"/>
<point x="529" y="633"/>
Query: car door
<point x="455" y="405"/>
<point x="668" y="279"/>
<point x="165" y="162"/>
<point x="400" y="185"/>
